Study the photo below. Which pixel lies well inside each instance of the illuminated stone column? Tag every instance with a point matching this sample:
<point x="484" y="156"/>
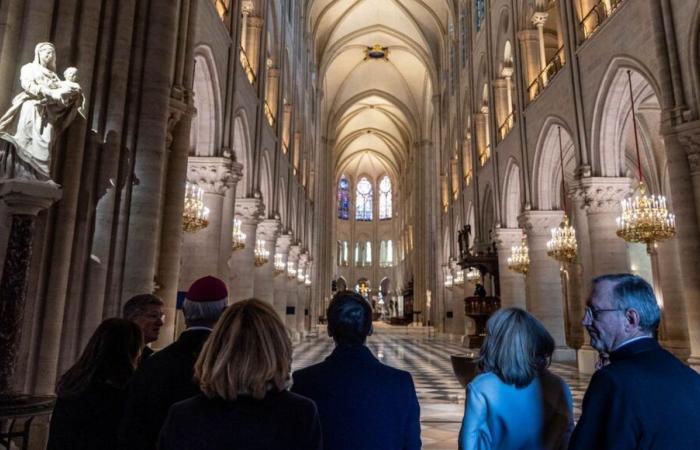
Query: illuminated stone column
<point x="543" y="288"/>
<point x="538" y="20"/>
<point x="512" y="283"/>
<point x="241" y="264"/>
<point x="281" y="292"/>
<point x="529" y="42"/>
<point x="267" y="232"/>
<point x="272" y="90"/>
<point x="290" y="319"/>
<point x="254" y="25"/>
<point x="301" y="305"/>
<point x="500" y="94"/>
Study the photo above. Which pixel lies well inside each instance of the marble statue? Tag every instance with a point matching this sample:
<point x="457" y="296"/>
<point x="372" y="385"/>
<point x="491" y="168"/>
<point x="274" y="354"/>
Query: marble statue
<point x="38" y="115"/>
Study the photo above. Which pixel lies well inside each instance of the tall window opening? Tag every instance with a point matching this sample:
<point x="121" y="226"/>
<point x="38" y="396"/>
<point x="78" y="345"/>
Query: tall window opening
<point x="343" y="253"/>
<point x="386" y="253"/>
<point x="344" y="198"/>
<point x="368" y="254"/>
<point x="385" y="205"/>
<point x="363" y="200"/>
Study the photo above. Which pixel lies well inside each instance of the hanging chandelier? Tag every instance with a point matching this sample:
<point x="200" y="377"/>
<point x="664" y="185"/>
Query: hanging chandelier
<point x="195" y="216"/>
<point x="519" y="259"/>
<point x="458" y="278"/>
<point x="473" y="275"/>
<point x="300" y="275"/>
<point x="262" y="255"/>
<point x="562" y="246"/>
<point x="280" y="266"/>
<point x="449" y="280"/>
<point x="238" y="238"/>
<point x="307" y="279"/>
<point x="291" y="270"/>
<point x="645" y="218"/>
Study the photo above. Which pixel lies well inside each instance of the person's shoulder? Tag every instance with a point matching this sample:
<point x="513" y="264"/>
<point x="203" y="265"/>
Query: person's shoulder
<point x="309" y="372"/>
<point x="485" y="380"/>
<point x="297" y="400"/>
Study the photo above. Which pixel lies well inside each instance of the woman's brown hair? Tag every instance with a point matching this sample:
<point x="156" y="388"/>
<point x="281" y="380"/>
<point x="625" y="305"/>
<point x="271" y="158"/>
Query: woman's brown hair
<point x="110" y="357"/>
<point x="248" y="353"/>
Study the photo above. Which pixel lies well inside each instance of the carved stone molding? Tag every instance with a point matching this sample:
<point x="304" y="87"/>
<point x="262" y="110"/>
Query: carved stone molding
<point x="268" y="229"/>
<point x="694" y="162"/>
<point x="294" y="251"/>
<point x="283" y="244"/>
<point x="601" y="194"/>
<point x="213" y="174"/>
<point x="539" y="223"/>
<point x="539" y="18"/>
<point x="505" y="238"/>
<point x="249" y="209"/>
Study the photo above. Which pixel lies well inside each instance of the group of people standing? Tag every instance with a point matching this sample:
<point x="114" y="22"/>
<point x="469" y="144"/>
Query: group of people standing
<point x="226" y="383"/>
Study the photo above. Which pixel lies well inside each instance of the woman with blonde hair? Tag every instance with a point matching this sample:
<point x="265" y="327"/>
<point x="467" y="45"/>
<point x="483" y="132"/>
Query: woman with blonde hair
<point x="244" y="372"/>
<point x="516" y="403"/>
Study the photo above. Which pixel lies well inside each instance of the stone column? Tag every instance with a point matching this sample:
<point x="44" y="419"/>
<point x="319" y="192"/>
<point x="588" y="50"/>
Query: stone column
<point x="21" y="201"/>
<point x="543" y="289"/>
<point x="254" y="25"/>
<point x="241" y="265"/>
<point x="290" y="319"/>
<point x="227" y="215"/>
<point x="267" y="232"/>
<point x="500" y="102"/>
<point x="301" y="295"/>
<point x="272" y="89"/>
<point x="512" y="283"/>
<point x="281" y="290"/>
<point x="481" y="135"/>
<point x="200" y="252"/>
<point x="539" y="18"/>
<point x="601" y="199"/>
<point x="529" y="42"/>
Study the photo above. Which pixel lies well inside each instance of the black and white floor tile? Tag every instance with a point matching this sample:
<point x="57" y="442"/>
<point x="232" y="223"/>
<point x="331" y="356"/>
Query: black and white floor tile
<point x="427" y="358"/>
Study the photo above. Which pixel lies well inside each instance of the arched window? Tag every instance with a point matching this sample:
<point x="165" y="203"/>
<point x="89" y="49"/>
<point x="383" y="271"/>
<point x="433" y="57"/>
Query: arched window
<point x="343" y="253"/>
<point x="479" y="13"/>
<point x="357" y="254"/>
<point x="344" y="198"/>
<point x="363" y="200"/>
<point x="385" y="198"/>
<point x="386" y="253"/>
<point x="368" y="254"/>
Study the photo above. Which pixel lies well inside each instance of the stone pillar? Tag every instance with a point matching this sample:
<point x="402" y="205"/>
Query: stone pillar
<point x="543" y="289"/>
<point x="601" y="199"/>
<point x="241" y="265"/>
<point x="227" y="215"/>
<point x="512" y="283"/>
<point x="267" y="232"/>
<point x="539" y="19"/>
<point x="501" y="102"/>
<point x="272" y="89"/>
<point x="281" y="289"/>
<point x="529" y="42"/>
<point x="481" y="135"/>
<point x="200" y="252"/>
<point x="21" y="201"/>
<point x="301" y="295"/>
<point x="290" y="319"/>
<point x="254" y="25"/>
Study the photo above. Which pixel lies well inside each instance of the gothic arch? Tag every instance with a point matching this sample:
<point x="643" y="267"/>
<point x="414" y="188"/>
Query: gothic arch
<point x="488" y="216"/>
<point x="242" y="152"/>
<point x="547" y="179"/>
<point x="266" y="184"/>
<point x="206" y="125"/>
<point x="512" y="198"/>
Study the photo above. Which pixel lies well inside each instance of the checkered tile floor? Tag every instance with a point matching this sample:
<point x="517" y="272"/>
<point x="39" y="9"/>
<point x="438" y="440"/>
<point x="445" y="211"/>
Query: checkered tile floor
<point x="427" y="358"/>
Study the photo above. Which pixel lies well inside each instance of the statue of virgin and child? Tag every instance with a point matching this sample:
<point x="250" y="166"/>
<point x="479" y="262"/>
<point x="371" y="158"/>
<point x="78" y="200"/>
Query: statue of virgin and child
<point x="44" y="109"/>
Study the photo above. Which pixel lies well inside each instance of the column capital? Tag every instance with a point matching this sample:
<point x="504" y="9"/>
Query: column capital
<point x="28" y="197"/>
<point x="211" y="173"/>
<point x="539" y="223"/>
<point x="601" y="194"/>
<point x="255" y="21"/>
<point x="249" y="209"/>
<point x="689" y="137"/>
<point x="294" y="252"/>
<point x="268" y="229"/>
<point x="283" y="243"/>
<point x="539" y="18"/>
<point x="505" y="238"/>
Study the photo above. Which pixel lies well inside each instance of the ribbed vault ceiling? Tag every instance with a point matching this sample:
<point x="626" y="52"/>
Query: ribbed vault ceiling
<point x="374" y="108"/>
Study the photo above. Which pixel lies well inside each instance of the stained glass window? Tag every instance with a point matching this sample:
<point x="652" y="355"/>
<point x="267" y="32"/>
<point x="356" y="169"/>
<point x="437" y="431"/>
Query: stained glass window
<point x="480" y="13"/>
<point x="344" y="198"/>
<point x="385" y="198"/>
<point x="363" y="200"/>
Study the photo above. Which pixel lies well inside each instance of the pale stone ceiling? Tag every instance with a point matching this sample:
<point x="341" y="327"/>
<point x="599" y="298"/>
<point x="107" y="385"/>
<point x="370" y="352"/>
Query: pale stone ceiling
<point x="375" y="108"/>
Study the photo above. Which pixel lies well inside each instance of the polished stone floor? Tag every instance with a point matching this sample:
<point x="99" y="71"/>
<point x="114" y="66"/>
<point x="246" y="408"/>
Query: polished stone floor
<point x="427" y="358"/>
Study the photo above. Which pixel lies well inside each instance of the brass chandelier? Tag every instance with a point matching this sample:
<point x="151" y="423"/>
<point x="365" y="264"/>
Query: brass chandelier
<point x="645" y="218"/>
<point x="195" y="216"/>
<point x="562" y="246"/>
<point x="473" y="275"/>
<point x="280" y="266"/>
<point x="519" y="259"/>
<point x="291" y="270"/>
<point x="262" y="255"/>
<point x="238" y="238"/>
<point x="458" y="278"/>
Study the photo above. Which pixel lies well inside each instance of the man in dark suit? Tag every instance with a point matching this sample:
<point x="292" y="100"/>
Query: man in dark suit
<point x="146" y="311"/>
<point x="167" y="377"/>
<point x="645" y="398"/>
<point x="363" y="404"/>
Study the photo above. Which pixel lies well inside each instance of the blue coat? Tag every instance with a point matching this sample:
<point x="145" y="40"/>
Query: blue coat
<point x="363" y="404"/>
<point x="500" y="416"/>
<point x="644" y="399"/>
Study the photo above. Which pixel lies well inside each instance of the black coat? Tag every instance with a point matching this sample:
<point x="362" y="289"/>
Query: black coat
<point x="644" y="399"/>
<point x="363" y="404"/>
<point x="163" y="379"/>
<point x="280" y="421"/>
<point x="88" y="421"/>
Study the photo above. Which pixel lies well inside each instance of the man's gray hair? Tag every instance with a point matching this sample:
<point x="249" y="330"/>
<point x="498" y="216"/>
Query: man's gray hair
<point x="633" y="292"/>
<point x="137" y="304"/>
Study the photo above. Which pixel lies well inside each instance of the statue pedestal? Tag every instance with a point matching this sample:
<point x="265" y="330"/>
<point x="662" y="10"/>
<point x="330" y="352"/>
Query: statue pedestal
<point x="21" y="201"/>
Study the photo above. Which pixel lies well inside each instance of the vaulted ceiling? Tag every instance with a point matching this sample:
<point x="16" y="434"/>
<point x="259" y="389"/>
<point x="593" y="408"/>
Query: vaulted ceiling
<point x="375" y="108"/>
